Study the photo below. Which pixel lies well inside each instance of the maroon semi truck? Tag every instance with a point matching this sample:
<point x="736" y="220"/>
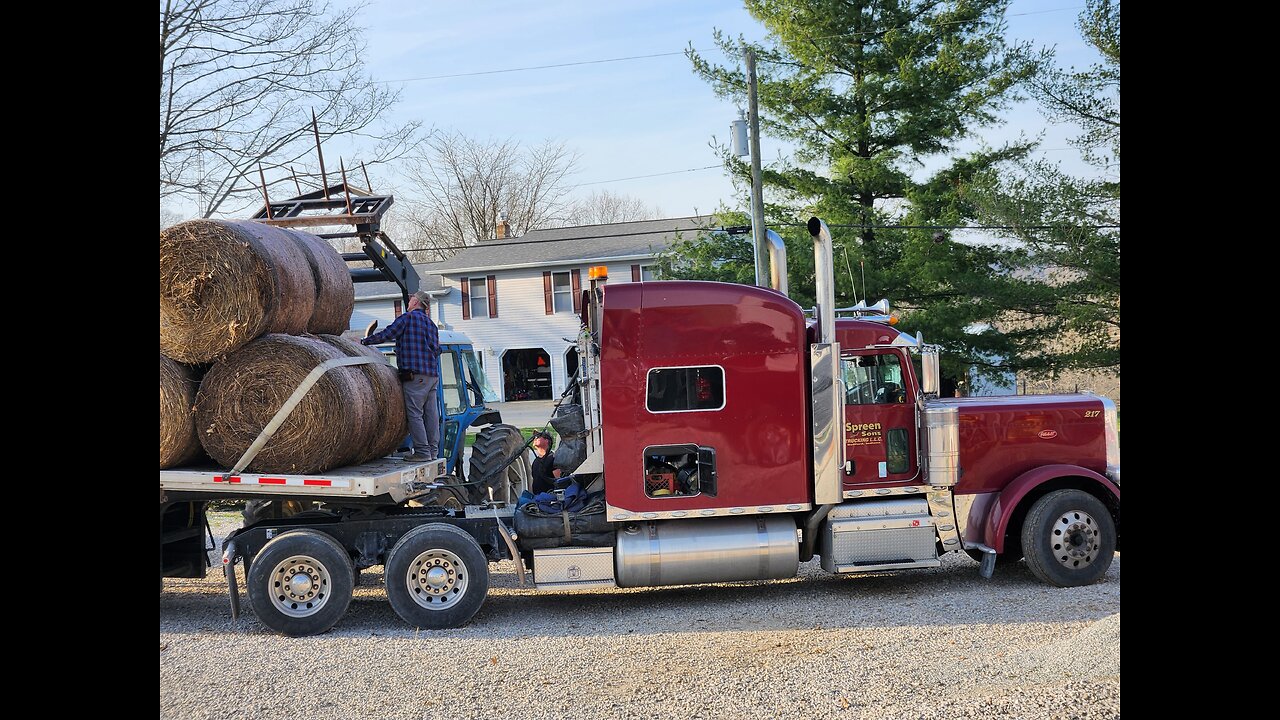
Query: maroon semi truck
<point x="733" y="438"/>
<point x="736" y="438"/>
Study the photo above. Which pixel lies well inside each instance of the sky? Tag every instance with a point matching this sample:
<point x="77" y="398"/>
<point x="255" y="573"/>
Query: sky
<point x="630" y="118"/>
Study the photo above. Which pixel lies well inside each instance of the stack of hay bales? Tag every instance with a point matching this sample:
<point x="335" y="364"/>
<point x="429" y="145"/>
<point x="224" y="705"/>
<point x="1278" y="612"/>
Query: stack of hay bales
<point x="243" y="296"/>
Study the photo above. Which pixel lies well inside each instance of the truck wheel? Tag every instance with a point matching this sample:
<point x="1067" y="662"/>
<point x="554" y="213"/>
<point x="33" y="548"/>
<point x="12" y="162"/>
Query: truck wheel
<point x="437" y="577"/>
<point x="1068" y="538"/>
<point x="493" y="447"/>
<point x="300" y="583"/>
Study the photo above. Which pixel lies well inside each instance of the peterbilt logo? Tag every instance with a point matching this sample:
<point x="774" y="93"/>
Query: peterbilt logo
<point x="575" y="572"/>
<point x="1048" y="434"/>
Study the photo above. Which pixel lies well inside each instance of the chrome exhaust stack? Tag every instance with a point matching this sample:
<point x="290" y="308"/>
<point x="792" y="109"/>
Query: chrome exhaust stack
<point x="825" y="278"/>
<point x="777" y="262"/>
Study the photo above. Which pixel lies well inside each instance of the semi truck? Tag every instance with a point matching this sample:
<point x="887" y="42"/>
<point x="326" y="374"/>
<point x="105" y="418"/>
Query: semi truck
<point x="731" y="435"/>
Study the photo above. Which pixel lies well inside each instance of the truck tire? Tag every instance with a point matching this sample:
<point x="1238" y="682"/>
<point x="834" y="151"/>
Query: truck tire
<point x="436" y="577"/>
<point x="493" y="447"/>
<point x="300" y="583"/>
<point x="1068" y="538"/>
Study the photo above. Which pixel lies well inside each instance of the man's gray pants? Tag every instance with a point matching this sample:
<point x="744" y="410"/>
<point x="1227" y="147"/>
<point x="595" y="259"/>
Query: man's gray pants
<point x="423" y="412"/>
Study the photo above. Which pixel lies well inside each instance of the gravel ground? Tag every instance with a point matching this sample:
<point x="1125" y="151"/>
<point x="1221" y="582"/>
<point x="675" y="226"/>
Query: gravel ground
<point x="939" y="643"/>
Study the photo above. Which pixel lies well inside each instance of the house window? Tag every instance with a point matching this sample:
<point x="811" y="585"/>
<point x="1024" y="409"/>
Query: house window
<point x="479" y="292"/>
<point x="646" y="273"/>
<point x="562" y="292"/>
<point x="685" y="389"/>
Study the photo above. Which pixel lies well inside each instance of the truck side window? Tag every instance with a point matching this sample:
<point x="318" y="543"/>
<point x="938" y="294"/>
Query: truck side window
<point x="685" y="389"/>
<point x="873" y="380"/>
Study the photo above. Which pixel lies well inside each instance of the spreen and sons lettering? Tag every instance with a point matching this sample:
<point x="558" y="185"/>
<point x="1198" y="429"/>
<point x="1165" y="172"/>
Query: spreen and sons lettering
<point x="863" y="434"/>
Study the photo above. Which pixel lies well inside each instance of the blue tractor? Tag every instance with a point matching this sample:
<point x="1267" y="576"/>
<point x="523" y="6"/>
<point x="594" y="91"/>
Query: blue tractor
<point x="464" y="392"/>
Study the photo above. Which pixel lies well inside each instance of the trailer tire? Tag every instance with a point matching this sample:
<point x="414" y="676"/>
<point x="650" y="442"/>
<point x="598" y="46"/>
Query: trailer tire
<point x="1069" y="538"/>
<point x="437" y="577"/>
<point x="493" y="447"/>
<point x="300" y="583"/>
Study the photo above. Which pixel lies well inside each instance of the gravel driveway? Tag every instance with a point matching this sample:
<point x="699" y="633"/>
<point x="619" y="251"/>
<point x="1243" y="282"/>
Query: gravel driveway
<point x="938" y="643"/>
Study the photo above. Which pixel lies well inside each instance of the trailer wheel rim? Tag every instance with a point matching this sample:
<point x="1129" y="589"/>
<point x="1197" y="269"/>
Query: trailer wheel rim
<point x="1075" y="538"/>
<point x="300" y="586"/>
<point x="437" y="579"/>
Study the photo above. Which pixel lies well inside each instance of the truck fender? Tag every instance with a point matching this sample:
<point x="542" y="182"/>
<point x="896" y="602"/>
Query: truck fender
<point x="1002" y="510"/>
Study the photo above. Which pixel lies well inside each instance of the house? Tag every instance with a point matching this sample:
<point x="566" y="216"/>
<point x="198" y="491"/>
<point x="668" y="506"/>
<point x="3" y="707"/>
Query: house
<point x="517" y="299"/>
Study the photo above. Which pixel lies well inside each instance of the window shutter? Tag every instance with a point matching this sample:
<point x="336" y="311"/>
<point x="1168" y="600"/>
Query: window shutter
<point x="546" y="293"/>
<point x="466" y="298"/>
<point x="493" y="296"/>
<point x="398" y="310"/>
<point x="577" y="290"/>
<point x="635" y="273"/>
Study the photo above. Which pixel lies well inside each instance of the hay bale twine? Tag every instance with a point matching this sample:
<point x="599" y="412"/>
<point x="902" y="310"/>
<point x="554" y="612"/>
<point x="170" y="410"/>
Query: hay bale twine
<point x="178" y="442"/>
<point x="225" y="283"/>
<point x="392" y="425"/>
<point x="331" y="427"/>
<point x="334" y="293"/>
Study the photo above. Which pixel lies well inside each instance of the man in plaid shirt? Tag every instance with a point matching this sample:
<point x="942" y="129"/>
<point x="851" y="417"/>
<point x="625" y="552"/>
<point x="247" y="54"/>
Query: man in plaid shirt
<point x="418" y="357"/>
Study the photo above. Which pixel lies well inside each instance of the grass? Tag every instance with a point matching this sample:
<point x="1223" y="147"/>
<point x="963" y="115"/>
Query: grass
<point x="527" y="432"/>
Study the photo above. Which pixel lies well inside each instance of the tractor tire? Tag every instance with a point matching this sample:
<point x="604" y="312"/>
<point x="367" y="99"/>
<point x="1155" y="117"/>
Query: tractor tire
<point x="494" y="446"/>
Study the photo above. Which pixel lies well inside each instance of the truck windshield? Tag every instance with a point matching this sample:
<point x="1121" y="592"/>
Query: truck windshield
<point x="477" y="381"/>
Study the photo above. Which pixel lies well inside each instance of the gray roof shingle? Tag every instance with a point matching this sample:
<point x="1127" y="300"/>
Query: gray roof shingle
<point x="583" y="243"/>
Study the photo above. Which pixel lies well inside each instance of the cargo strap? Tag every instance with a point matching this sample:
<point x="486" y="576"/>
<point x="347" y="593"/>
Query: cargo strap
<point x="292" y="403"/>
<point x="568" y="530"/>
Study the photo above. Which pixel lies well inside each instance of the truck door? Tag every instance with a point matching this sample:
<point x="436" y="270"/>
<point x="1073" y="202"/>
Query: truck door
<point x="879" y="418"/>
<point x="452" y="404"/>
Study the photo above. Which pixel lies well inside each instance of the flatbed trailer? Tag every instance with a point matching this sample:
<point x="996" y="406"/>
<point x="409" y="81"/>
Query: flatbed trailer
<point x="301" y="569"/>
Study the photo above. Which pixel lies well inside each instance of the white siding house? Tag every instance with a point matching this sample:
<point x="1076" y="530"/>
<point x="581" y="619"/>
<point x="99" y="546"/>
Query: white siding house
<point x="519" y="295"/>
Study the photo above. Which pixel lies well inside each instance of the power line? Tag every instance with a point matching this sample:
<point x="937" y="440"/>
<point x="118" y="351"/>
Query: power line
<point x="637" y="177"/>
<point x="682" y="52"/>
<point x="535" y="67"/>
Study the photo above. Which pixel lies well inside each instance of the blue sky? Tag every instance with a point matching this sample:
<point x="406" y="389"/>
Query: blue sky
<point x="626" y="119"/>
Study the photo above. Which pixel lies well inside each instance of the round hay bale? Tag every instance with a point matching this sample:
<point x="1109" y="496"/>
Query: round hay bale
<point x="178" y="442"/>
<point x="225" y="283"/>
<point x="392" y="425"/>
<point x="335" y="295"/>
<point x="332" y="426"/>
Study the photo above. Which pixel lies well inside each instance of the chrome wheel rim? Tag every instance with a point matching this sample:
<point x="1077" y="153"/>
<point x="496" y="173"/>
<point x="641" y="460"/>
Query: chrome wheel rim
<point x="437" y="579"/>
<point x="1075" y="539"/>
<point x="300" y="586"/>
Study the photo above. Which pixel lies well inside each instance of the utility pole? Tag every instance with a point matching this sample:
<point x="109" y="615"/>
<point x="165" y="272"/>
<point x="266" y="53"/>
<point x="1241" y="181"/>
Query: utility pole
<point x="757" y="192"/>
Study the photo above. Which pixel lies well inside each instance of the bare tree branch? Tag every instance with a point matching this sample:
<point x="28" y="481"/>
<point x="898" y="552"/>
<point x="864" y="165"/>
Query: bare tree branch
<point x="239" y="80"/>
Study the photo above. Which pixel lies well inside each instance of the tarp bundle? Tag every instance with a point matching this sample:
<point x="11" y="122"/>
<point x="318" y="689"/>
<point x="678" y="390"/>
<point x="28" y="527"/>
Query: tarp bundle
<point x="545" y="522"/>
<point x="570" y="424"/>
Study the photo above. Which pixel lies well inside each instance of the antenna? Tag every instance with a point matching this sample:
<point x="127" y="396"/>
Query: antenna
<point x="863" y="267"/>
<point x="849" y="268"/>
